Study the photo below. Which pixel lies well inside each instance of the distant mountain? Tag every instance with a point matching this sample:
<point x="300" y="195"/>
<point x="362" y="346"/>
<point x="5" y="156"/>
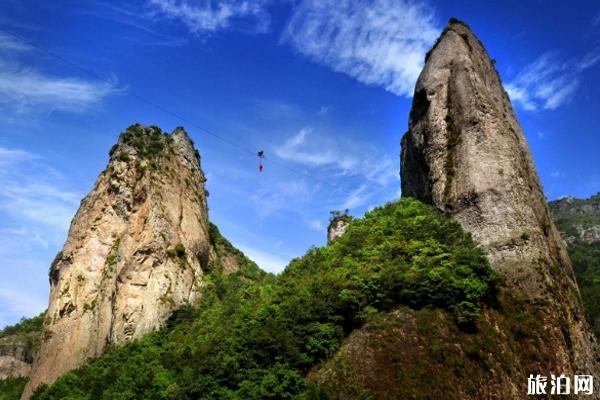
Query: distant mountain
<point x="578" y="219"/>
<point x="579" y="223"/>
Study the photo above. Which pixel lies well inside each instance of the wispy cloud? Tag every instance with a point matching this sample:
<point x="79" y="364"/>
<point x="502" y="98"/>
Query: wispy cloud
<point x="209" y="16"/>
<point x="25" y="89"/>
<point x="28" y="195"/>
<point x="36" y="206"/>
<point x="356" y="198"/>
<point x="332" y="159"/>
<point x="16" y="302"/>
<point x="314" y="153"/>
<point x="135" y="16"/>
<point x="341" y="156"/>
<point x="377" y="42"/>
<point x="8" y="43"/>
<point x="549" y="82"/>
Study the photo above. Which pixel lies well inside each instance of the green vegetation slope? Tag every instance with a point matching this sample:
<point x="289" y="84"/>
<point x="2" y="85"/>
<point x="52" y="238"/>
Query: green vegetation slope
<point x="255" y="336"/>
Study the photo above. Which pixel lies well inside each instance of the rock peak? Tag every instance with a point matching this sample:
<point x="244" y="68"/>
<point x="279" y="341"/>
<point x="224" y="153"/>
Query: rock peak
<point x="466" y="153"/>
<point x="137" y="249"/>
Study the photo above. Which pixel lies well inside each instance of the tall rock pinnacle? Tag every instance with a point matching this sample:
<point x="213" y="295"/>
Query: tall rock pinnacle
<point x="466" y="154"/>
<point x="136" y="250"/>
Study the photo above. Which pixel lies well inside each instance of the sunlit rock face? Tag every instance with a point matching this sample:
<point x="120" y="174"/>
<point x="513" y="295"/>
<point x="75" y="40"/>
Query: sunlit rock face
<point x="466" y="154"/>
<point x="137" y="249"/>
<point x="337" y="227"/>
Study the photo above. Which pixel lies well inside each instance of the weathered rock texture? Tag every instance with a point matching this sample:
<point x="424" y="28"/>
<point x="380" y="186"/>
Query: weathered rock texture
<point x="337" y="227"/>
<point x="466" y="154"/>
<point x="136" y="250"/>
<point x="16" y="354"/>
<point x="578" y="219"/>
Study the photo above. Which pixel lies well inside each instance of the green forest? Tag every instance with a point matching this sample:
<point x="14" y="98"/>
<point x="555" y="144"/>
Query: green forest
<point x="256" y="336"/>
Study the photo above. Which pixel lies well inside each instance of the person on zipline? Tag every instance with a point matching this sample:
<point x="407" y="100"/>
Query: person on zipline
<point x="261" y="156"/>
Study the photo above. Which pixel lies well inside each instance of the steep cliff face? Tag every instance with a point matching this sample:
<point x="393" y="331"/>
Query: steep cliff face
<point x="466" y="154"/>
<point x="137" y="249"/>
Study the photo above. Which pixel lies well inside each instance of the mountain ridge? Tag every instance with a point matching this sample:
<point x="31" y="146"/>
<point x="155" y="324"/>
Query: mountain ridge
<point x="136" y="250"/>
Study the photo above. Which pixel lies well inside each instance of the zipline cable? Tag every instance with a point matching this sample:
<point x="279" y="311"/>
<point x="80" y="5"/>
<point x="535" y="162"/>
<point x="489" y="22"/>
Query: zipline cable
<point x="171" y="113"/>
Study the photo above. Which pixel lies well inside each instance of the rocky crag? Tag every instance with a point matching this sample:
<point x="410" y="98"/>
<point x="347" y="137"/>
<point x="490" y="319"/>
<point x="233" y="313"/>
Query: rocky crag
<point x="136" y="250"/>
<point x="337" y="227"/>
<point x="466" y="154"/>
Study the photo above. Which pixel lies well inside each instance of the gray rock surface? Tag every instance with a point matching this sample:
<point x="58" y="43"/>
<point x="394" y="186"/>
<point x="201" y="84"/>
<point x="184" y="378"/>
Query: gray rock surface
<point x="466" y="154"/>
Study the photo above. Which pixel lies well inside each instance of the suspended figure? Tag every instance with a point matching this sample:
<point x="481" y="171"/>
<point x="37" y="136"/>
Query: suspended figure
<point x="261" y="156"/>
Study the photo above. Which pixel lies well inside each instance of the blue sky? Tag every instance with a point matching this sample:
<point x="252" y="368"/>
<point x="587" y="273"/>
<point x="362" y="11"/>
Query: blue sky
<point x="324" y="87"/>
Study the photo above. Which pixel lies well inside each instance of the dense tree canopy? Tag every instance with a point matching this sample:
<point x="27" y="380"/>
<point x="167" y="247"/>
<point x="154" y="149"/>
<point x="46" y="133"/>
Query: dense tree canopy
<point x="255" y="336"/>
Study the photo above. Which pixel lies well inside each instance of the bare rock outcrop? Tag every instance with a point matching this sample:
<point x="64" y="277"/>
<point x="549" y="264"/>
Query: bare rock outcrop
<point x="137" y="249"/>
<point x="466" y="154"/>
<point x="337" y="227"/>
<point x="16" y="354"/>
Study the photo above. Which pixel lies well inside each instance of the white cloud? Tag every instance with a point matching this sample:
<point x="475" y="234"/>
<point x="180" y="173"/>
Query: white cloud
<point x="549" y="82"/>
<point x="377" y="42"/>
<point x="24" y="89"/>
<point x="589" y="60"/>
<point x="313" y="153"/>
<point x="209" y="15"/>
<point x="19" y="303"/>
<point x="12" y="157"/>
<point x="356" y="198"/>
<point x="29" y="191"/>
<point x="131" y="15"/>
<point x="341" y="156"/>
<point x="36" y="207"/>
<point x="9" y="43"/>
